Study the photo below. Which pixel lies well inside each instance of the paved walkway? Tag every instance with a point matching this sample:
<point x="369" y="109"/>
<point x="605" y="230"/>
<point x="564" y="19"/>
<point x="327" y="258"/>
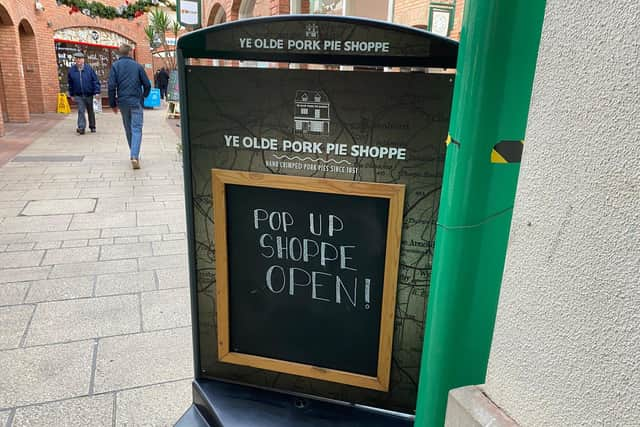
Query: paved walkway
<point x="94" y="308"/>
<point x="18" y="136"/>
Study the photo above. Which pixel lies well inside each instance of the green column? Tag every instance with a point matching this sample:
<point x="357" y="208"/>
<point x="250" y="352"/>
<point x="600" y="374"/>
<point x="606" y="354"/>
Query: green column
<point x="496" y="62"/>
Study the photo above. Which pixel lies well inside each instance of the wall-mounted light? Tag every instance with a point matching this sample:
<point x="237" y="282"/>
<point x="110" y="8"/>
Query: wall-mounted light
<point x="49" y="24"/>
<point x="39" y="6"/>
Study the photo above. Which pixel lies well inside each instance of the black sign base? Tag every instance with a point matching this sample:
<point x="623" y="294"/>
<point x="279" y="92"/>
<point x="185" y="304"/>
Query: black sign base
<point x="221" y="404"/>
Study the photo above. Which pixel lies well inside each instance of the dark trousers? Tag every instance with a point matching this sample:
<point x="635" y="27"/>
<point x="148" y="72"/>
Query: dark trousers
<point x="85" y="103"/>
<point x="163" y="91"/>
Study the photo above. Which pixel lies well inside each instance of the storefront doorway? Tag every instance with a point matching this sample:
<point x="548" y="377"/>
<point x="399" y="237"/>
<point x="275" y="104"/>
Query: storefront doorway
<point x="99" y="46"/>
<point x="99" y="57"/>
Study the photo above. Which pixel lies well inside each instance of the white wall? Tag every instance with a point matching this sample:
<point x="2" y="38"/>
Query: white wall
<point x="566" y="349"/>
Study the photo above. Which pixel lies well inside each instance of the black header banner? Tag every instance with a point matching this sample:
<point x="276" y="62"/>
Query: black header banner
<point x="329" y="40"/>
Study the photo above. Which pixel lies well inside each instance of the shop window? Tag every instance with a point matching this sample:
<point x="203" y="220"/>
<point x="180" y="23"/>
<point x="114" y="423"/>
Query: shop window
<point x="99" y="57"/>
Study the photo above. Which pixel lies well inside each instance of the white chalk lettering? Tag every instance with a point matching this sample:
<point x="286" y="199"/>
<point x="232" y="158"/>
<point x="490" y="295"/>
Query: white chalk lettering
<point x="270" y="276"/>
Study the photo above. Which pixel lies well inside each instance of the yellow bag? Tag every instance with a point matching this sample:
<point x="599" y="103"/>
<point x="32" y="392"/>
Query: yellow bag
<point x="63" y="104"/>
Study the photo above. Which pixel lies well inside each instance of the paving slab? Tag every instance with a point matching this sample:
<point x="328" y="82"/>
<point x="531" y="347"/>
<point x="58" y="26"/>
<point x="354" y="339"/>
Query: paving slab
<point x="62" y="235"/>
<point x="21" y="259"/>
<point x="13" y="293"/>
<point x="14" y="203"/>
<point x="75" y="243"/>
<point x="110" y="205"/>
<point x="67" y="170"/>
<point x="70" y="320"/>
<point x="60" y="289"/>
<point x="94" y="411"/>
<point x="173" y="278"/>
<point x="165" y="309"/>
<point x="134" y="231"/>
<point x="12" y="237"/>
<point x="54" y="244"/>
<point x="69" y="255"/>
<point x="47" y="194"/>
<point x="6" y="212"/>
<point x="156" y="405"/>
<point x="46" y="373"/>
<point x="133" y="250"/>
<point x="100" y="242"/>
<point x="125" y="283"/>
<point x="20" y="247"/>
<point x="23" y="274"/>
<point x="13" y="322"/>
<point x="150" y="238"/>
<point x="172" y="247"/>
<point x="125" y="240"/>
<point x="161" y="189"/>
<point x="34" y="224"/>
<point x="169" y="216"/>
<point x="93" y="268"/>
<point x="11" y="194"/>
<point x="59" y="206"/>
<point x="143" y="359"/>
<point x="165" y="261"/>
<point x="101" y="220"/>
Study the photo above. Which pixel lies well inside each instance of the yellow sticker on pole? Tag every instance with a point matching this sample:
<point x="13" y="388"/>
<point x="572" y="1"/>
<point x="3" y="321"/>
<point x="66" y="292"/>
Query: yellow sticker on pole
<point x="63" y="104"/>
<point x="507" y="152"/>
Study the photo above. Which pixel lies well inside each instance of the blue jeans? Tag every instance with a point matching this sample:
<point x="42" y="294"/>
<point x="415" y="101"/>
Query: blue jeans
<point x="132" y="119"/>
<point x="85" y="104"/>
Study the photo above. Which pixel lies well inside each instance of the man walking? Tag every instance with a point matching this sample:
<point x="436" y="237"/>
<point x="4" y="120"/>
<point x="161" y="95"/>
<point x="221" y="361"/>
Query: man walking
<point x="163" y="82"/>
<point x="83" y="85"/>
<point x="128" y="86"/>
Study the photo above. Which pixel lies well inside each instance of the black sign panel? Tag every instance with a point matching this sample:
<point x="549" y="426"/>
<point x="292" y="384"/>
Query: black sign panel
<point x="368" y="127"/>
<point x="305" y="276"/>
<point x="327" y="40"/>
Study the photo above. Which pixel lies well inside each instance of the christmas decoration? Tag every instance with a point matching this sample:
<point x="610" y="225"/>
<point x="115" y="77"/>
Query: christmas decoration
<point x="128" y="10"/>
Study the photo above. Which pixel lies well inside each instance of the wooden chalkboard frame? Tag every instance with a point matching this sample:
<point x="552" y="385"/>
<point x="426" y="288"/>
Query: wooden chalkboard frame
<point x="393" y="192"/>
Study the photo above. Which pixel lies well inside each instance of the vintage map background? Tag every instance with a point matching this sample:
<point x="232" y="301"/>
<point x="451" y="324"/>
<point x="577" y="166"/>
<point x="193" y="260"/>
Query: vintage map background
<point x="408" y="110"/>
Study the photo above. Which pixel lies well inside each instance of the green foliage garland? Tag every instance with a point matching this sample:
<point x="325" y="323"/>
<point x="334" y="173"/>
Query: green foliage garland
<point x="129" y="10"/>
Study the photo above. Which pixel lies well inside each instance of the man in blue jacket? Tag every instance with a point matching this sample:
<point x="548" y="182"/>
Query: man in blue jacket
<point x="128" y="86"/>
<point x="83" y="85"/>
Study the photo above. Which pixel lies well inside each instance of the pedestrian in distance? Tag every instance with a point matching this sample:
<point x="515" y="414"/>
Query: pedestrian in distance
<point x="83" y="85"/>
<point x="128" y="86"/>
<point x="163" y="82"/>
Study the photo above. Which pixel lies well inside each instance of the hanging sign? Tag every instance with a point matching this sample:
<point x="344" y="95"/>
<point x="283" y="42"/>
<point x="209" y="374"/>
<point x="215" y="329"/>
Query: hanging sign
<point x="188" y="12"/>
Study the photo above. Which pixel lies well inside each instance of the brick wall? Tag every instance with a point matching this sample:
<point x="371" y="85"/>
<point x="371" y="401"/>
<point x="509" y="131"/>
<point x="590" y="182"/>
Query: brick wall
<point x="279" y="7"/>
<point x="457" y="23"/>
<point x="411" y="12"/>
<point x="14" y="90"/>
<point x="231" y="8"/>
<point x="416" y="13"/>
<point x="31" y="68"/>
<point x="30" y="56"/>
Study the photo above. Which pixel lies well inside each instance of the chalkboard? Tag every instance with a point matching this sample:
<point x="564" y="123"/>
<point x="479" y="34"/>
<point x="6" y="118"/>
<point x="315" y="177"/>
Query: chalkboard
<point x="173" y="90"/>
<point x="306" y="274"/>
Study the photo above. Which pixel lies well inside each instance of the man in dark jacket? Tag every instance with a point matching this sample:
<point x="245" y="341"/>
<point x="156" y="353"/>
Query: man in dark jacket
<point x="128" y="86"/>
<point x="163" y="82"/>
<point x="83" y="85"/>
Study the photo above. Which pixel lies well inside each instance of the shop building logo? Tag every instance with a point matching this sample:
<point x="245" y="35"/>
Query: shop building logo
<point x="312" y="112"/>
<point x="312" y="31"/>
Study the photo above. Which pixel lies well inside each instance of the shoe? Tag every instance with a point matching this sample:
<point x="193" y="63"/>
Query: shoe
<point x="135" y="163"/>
<point x="80" y="131"/>
<point x="93" y="130"/>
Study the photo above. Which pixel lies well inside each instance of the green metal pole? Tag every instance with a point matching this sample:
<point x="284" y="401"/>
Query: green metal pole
<point x="496" y="63"/>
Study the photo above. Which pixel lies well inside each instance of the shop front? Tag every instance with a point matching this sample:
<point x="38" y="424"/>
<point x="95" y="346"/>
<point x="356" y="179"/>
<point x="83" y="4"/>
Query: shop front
<point x="99" y="46"/>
